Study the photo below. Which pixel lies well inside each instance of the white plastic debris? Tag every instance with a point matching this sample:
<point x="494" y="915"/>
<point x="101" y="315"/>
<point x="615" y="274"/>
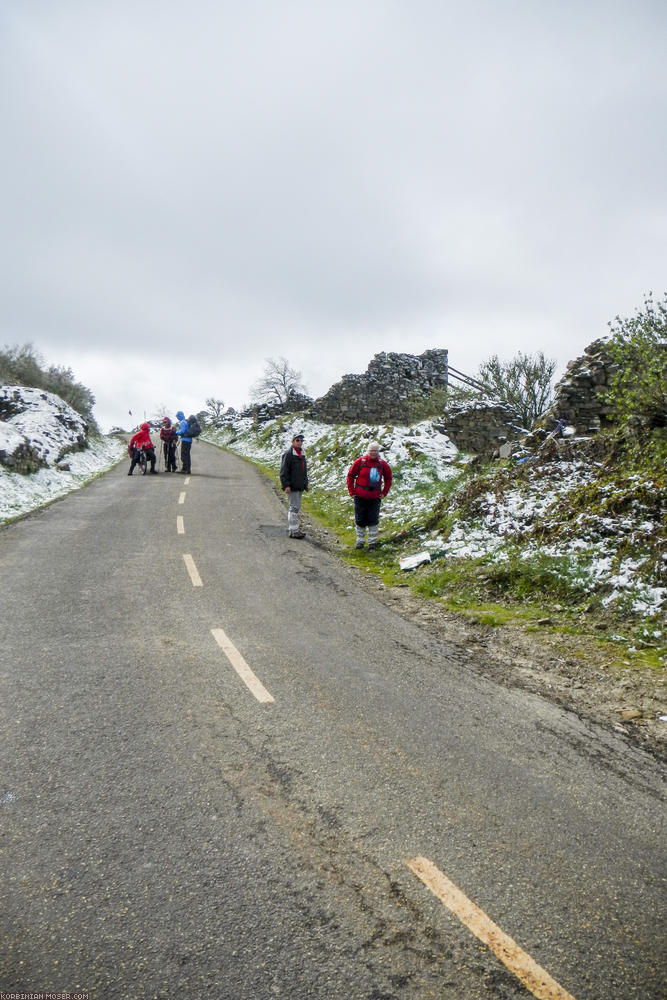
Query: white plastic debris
<point x="411" y="562"/>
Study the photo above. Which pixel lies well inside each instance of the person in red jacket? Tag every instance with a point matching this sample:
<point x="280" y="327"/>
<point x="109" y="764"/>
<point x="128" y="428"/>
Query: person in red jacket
<point x="368" y="481"/>
<point x="141" y="441"/>
<point x="169" y="442"/>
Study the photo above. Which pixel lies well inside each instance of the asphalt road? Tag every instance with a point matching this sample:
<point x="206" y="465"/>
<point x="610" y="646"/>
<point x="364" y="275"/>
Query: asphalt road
<point x="169" y="828"/>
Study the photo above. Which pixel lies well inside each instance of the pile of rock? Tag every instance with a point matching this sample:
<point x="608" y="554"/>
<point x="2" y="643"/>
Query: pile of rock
<point x="262" y="412"/>
<point x="579" y="397"/>
<point x="389" y="391"/>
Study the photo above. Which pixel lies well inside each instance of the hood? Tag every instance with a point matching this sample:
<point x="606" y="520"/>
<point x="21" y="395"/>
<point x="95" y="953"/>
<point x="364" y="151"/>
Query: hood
<point x="166" y="422"/>
<point x="145" y="427"/>
<point x="180" y="415"/>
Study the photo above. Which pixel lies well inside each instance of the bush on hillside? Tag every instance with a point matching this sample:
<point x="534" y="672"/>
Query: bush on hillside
<point x="524" y="384"/>
<point x="22" y="365"/>
<point x="638" y="351"/>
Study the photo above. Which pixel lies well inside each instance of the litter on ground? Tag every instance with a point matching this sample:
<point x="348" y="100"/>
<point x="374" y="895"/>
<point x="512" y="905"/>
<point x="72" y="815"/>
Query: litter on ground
<point x="411" y="562"/>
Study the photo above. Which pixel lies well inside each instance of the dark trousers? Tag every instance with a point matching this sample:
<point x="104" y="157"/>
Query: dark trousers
<point x="150" y="455"/>
<point x="366" y="512"/>
<point x="170" y="456"/>
<point x="185" y="455"/>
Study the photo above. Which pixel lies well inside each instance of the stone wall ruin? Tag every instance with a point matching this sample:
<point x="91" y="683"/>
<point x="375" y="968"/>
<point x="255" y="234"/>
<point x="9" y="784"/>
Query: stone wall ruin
<point x="394" y="386"/>
<point x="389" y="391"/>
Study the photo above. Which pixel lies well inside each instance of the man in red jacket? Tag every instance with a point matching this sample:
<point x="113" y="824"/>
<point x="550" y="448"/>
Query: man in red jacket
<point x="368" y="481"/>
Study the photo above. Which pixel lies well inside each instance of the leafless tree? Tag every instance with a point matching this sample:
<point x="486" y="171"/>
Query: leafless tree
<point x="214" y="410"/>
<point x="279" y="381"/>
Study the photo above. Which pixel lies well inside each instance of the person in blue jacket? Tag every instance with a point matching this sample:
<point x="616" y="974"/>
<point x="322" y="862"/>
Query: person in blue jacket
<point x="186" y="443"/>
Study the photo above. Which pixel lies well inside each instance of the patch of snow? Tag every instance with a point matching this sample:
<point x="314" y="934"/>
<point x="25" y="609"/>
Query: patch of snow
<point x="41" y="420"/>
<point x="20" y="494"/>
<point x="49" y="428"/>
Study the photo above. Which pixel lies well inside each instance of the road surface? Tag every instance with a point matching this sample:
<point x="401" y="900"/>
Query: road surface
<point x="229" y="772"/>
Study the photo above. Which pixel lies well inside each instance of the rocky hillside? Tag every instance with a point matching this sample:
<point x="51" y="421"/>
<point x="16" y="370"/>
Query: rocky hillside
<point x="45" y="450"/>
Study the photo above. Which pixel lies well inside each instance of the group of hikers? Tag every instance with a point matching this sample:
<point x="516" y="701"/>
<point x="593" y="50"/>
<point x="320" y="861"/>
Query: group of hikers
<point x="368" y="482"/>
<point x="170" y="435"/>
<point x="368" y="478"/>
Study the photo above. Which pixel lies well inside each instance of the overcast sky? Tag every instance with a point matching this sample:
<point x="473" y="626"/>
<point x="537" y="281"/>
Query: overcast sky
<point x="191" y="187"/>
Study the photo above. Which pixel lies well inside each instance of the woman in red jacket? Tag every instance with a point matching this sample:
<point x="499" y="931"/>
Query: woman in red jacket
<point x="169" y="442"/>
<point x="368" y="481"/>
<point x="141" y="441"/>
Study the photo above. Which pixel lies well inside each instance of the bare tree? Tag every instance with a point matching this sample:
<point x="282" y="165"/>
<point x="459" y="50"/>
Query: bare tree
<point x="278" y="382"/>
<point x="214" y="410"/>
<point x="523" y="384"/>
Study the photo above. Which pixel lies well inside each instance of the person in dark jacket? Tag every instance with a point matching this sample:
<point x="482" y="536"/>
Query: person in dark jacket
<point x="294" y="481"/>
<point x="141" y="441"/>
<point x="186" y="443"/>
<point x="368" y="481"/>
<point x="169" y="442"/>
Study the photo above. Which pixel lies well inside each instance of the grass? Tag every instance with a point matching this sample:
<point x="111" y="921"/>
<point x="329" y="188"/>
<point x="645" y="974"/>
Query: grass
<point x="532" y="577"/>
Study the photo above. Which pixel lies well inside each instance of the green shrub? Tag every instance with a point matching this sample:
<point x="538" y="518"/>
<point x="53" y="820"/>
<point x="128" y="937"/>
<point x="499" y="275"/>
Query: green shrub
<point x="638" y="351"/>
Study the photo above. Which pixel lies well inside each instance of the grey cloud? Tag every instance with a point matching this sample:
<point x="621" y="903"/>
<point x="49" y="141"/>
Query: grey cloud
<point x="349" y="174"/>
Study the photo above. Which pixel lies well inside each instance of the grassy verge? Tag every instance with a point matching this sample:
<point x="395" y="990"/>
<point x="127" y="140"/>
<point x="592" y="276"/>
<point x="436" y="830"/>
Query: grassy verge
<point x="560" y="548"/>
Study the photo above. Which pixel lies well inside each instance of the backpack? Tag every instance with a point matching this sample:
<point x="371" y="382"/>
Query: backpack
<point x="194" y="425"/>
<point x="374" y="474"/>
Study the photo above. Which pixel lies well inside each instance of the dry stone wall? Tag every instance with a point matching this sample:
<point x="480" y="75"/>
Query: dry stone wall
<point x="579" y="397"/>
<point x="394" y="385"/>
<point x="482" y="428"/>
<point x="387" y="392"/>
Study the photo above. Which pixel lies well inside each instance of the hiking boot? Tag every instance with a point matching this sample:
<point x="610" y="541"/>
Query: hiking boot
<point x="297" y="534"/>
<point x="372" y="545"/>
<point x="359" y="545"/>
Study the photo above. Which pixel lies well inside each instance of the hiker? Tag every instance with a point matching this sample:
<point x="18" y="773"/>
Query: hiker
<point x="169" y="442"/>
<point x="368" y="481"/>
<point x="186" y="443"/>
<point x="141" y="441"/>
<point x="294" y="481"/>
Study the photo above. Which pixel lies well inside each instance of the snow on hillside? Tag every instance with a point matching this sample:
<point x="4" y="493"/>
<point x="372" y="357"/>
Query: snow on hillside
<point x="20" y="494"/>
<point x="426" y="464"/>
<point x="43" y="420"/>
<point x="47" y="428"/>
<point x="420" y="455"/>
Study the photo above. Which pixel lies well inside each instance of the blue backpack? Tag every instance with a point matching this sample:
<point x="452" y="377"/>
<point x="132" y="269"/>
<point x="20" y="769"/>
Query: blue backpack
<point x="374" y="474"/>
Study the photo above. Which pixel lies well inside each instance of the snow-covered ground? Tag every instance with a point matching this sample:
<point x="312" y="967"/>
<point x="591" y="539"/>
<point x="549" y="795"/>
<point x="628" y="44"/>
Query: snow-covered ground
<point x="41" y="426"/>
<point x="20" y="494"/>
<point x="426" y="464"/>
<point x="40" y="421"/>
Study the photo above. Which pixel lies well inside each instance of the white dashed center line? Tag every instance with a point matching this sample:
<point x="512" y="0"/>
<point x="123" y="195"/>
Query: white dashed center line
<point x="180" y="527"/>
<point x="532" y="975"/>
<point x="192" y="570"/>
<point x="181" y="498"/>
<point x="241" y="667"/>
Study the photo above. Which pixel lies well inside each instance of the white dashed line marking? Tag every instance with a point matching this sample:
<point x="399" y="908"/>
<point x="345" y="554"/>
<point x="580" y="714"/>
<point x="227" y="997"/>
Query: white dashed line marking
<point x="192" y="570"/>
<point x="181" y="498"/>
<point x="241" y="667"/>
